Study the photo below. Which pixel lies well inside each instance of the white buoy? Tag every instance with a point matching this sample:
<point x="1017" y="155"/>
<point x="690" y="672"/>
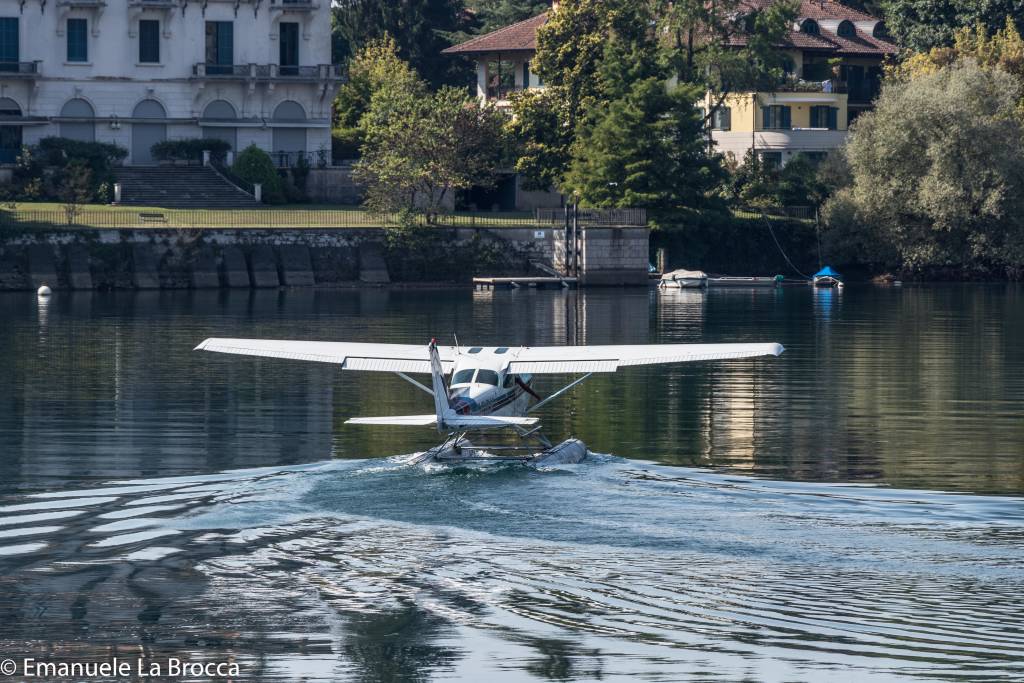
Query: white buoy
<point x="44" y="291"/>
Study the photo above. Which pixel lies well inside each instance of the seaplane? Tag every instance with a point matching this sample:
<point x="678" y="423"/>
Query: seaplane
<point x="483" y="391"/>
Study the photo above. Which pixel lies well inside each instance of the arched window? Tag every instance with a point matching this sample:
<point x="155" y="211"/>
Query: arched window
<point x="880" y="31"/>
<point x="289" y="111"/>
<point x="289" y="139"/>
<point x="220" y="109"/>
<point x="10" y="136"/>
<point x="145" y="135"/>
<point x="846" y="29"/>
<point x="216" y="122"/>
<point x="149" y="109"/>
<point x="84" y="130"/>
<point x="810" y="27"/>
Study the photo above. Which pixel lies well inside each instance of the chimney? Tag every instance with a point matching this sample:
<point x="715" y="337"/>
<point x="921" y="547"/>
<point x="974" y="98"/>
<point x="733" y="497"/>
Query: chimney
<point x="554" y="5"/>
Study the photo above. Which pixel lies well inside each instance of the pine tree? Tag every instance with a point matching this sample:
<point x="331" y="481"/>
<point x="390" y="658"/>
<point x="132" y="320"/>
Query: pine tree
<point x="645" y="149"/>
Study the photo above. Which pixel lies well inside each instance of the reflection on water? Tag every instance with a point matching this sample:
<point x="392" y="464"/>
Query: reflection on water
<point x="375" y="570"/>
<point x="158" y="501"/>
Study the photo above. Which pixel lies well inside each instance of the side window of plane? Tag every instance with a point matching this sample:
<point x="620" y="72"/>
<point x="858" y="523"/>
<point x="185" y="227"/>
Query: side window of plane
<point x="463" y="376"/>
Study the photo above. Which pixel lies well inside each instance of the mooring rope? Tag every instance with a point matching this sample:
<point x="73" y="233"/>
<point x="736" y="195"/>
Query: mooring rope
<point x="781" y="250"/>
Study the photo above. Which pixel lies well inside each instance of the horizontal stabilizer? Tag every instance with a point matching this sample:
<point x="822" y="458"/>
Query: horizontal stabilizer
<point x="487" y="421"/>
<point x="398" y="420"/>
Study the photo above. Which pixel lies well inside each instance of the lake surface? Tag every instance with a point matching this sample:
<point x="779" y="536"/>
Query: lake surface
<point x="852" y="510"/>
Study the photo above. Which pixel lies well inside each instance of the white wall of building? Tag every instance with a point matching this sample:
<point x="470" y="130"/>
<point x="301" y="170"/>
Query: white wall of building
<point x="114" y="81"/>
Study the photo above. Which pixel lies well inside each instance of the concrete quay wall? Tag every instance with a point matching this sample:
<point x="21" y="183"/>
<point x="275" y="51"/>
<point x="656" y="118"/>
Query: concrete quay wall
<point x="243" y="258"/>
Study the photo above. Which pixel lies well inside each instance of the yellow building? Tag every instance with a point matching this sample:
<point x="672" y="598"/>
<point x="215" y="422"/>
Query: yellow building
<point x="834" y="57"/>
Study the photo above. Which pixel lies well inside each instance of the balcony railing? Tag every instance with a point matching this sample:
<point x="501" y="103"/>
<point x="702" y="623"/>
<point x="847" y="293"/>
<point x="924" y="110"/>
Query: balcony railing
<point x="19" y="69"/>
<point x="501" y="92"/>
<point x="293" y="4"/>
<point x="81" y="4"/>
<point x="318" y="159"/>
<point x="266" y="72"/>
<point x="860" y="92"/>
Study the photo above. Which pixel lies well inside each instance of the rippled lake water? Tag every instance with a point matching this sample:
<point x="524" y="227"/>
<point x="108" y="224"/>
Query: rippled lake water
<point x="852" y="510"/>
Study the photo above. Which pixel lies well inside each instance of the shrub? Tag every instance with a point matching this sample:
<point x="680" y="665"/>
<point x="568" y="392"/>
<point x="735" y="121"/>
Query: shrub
<point x="57" y="151"/>
<point x="253" y="165"/>
<point x="32" y="182"/>
<point x="190" y="149"/>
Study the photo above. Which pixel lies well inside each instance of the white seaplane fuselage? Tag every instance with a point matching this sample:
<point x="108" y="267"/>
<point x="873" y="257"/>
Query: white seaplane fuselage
<point x="483" y="384"/>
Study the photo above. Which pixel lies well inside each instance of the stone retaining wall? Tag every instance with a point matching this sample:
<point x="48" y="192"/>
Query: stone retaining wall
<point x="168" y="258"/>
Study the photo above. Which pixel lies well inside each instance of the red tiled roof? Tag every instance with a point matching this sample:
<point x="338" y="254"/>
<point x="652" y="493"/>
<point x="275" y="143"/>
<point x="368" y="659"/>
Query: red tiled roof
<point x="522" y="37"/>
<point x="832" y="10"/>
<point x="518" y="37"/>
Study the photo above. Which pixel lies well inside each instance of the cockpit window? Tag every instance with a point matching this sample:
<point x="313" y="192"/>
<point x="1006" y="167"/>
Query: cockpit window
<point x="510" y="380"/>
<point x="463" y="376"/>
<point x="487" y="377"/>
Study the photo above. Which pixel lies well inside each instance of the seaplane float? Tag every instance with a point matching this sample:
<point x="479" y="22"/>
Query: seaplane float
<point x="486" y="392"/>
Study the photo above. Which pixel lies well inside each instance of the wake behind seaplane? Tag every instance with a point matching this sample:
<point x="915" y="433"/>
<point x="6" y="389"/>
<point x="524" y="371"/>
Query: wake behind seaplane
<point x="490" y="389"/>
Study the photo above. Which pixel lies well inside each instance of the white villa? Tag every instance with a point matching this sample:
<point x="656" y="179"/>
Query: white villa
<point x="135" y="72"/>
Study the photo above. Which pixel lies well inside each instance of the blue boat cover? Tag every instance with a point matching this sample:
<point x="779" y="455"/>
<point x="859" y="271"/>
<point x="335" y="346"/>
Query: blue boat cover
<point x="827" y="272"/>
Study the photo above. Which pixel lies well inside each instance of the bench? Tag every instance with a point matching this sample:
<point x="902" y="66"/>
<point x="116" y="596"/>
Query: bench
<point x="152" y="217"/>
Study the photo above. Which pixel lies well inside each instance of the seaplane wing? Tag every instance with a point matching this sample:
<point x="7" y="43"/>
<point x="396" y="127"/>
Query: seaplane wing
<point x="400" y="421"/>
<point x="539" y="360"/>
<point x="349" y="355"/>
<point x="451" y="420"/>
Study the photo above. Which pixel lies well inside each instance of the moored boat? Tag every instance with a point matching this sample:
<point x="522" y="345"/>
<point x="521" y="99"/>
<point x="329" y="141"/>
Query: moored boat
<point x="826" y="277"/>
<point x="685" y="279"/>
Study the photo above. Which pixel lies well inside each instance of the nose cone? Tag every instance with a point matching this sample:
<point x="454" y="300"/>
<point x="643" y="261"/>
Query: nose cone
<point x="466" y="400"/>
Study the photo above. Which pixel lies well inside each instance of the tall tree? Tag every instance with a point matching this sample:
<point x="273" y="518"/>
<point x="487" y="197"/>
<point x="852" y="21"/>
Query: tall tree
<point x="421" y="28"/>
<point x="421" y="146"/>
<point x="494" y="14"/>
<point x="643" y="146"/>
<point x="374" y="67"/>
<point x="645" y="150"/>
<point x="570" y="49"/>
<point x="938" y="174"/>
<point x="920" y="25"/>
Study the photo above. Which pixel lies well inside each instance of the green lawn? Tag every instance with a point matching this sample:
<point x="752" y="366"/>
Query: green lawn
<point x="290" y="216"/>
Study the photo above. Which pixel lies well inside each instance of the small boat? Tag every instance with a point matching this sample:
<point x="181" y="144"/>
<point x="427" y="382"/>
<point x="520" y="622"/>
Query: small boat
<point x="826" y="277"/>
<point x="745" y="281"/>
<point x="684" y="279"/>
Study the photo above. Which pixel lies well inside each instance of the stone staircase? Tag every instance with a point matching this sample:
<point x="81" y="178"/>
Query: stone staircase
<point x="180" y="187"/>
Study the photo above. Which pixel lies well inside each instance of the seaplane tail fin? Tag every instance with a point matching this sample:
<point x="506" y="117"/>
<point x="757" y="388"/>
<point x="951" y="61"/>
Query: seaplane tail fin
<point x="442" y="406"/>
<point x="397" y="420"/>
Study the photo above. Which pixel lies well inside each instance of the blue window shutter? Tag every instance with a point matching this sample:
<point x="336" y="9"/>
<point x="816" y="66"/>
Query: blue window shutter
<point x="77" y="37"/>
<point x="9" y="48"/>
<point x="225" y="43"/>
<point x="766" y="117"/>
<point x="149" y="41"/>
<point x="833" y="118"/>
<point x="786" y="118"/>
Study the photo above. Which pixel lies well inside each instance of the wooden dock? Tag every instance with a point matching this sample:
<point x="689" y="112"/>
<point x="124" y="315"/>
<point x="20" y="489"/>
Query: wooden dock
<point x="526" y="281"/>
